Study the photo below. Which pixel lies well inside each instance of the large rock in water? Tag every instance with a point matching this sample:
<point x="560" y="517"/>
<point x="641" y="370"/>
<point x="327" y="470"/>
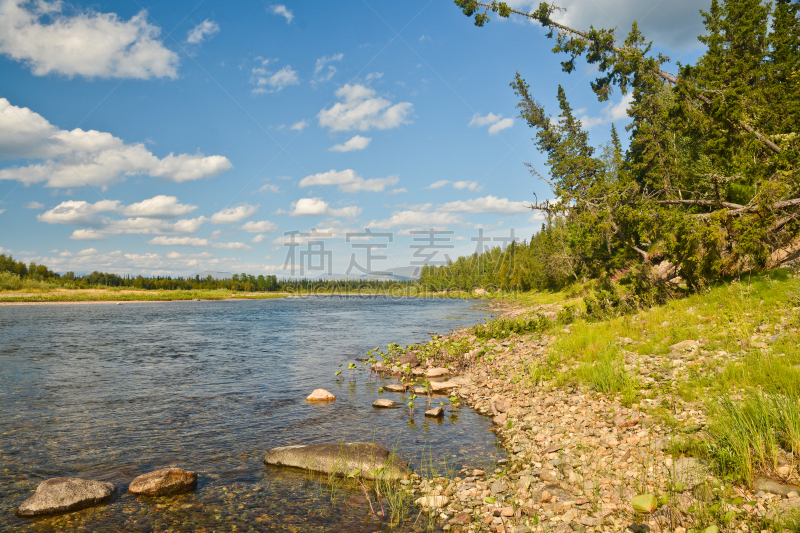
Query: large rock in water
<point x="65" y="494"/>
<point x="341" y="459"/>
<point x="320" y="395"/>
<point x="164" y="482"/>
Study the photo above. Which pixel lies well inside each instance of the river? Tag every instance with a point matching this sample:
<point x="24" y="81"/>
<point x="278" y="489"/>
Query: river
<point x="109" y="392"/>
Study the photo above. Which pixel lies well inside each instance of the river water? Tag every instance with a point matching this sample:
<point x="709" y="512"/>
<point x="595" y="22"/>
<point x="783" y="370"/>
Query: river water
<point x="110" y="391"/>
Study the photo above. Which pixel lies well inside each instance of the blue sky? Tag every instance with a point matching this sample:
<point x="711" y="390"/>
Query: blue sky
<point x="170" y="138"/>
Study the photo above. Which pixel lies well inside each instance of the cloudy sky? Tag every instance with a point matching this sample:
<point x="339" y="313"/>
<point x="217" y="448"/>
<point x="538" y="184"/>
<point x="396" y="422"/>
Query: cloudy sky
<point x="171" y="138"/>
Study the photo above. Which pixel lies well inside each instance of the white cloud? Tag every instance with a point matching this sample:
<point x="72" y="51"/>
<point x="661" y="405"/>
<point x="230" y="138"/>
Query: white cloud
<point x="263" y="226"/>
<point x="360" y="109"/>
<point x="471" y="185"/>
<point x="321" y="73"/>
<point x="300" y="126"/>
<point x="348" y="181"/>
<point x="158" y="207"/>
<point x="610" y="113"/>
<point x="2" y="211"/>
<point x="479" y="121"/>
<point x="140" y="226"/>
<point x="674" y="24"/>
<point x="269" y="187"/>
<point x="397" y="191"/>
<point x="257" y="239"/>
<point x="404" y="219"/>
<point x="78" y="213"/>
<point x="171" y="263"/>
<point x="308" y="207"/>
<point x="356" y="143"/>
<point x="76" y="158"/>
<point x="232" y="215"/>
<point x="374" y="76"/>
<point x="487" y="204"/>
<point x="33" y="205"/>
<point x="272" y="82"/>
<point x="501" y="125"/>
<point x="86" y="44"/>
<point x="496" y="123"/>
<point x="460" y="185"/>
<point x="282" y="11"/>
<point x="202" y="32"/>
<point x="147" y="218"/>
<point x="194" y="241"/>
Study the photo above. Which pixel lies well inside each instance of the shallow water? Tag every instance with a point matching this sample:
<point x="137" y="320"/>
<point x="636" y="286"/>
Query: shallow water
<point x="109" y="392"/>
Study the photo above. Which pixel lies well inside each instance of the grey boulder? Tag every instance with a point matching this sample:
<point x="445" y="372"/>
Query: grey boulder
<point x="65" y="494"/>
<point x="341" y="459"/>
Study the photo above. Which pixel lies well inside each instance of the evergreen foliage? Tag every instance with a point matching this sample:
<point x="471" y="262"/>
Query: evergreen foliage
<point x="710" y="181"/>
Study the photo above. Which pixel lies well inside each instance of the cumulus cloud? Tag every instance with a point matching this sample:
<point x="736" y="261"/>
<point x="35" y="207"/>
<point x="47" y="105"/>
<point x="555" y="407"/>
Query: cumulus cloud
<point x="360" y="109"/>
<point x="355" y="143"/>
<point x="496" y="123"/>
<point x="171" y="263"/>
<point x="158" y="207"/>
<point x="33" y="205"/>
<point x="85" y="44"/>
<point x="282" y="11"/>
<point x="309" y="207"/>
<point x="460" y="185"/>
<point x="232" y="215"/>
<point x="415" y="218"/>
<point x="76" y="158"/>
<point x="300" y="126"/>
<point x="323" y="70"/>
<point x="79" y="213"/>
<point x="194" y="241"/>
<point x="348" y="181"/>
<point x="140" y="226"/>
<point x="470" y="185"/>
<point x="148" y="217"/>
<point x="271" y="82"/>
<point x="610" y="113"/>
<point x="674" y="24"/>
<point x="202" y="32"/>
<point x="263" y="226"/>
<point x="487" y="204"/>
<point x="269" y="187"/>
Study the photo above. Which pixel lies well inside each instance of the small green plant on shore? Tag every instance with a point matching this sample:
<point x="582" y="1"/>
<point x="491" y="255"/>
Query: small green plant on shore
<point x="505" y="327"/>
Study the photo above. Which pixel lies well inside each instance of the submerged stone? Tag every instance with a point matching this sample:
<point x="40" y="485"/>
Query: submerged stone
<point x="341" y="459"/>
<point x="384" y="402"/>
<point x="63" y="495"/>
<point x="436" y="412"/>
<point x="164" y="482"/>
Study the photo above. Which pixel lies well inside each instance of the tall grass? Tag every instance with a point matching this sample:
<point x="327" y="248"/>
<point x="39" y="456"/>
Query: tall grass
<point x="747" y="435"/>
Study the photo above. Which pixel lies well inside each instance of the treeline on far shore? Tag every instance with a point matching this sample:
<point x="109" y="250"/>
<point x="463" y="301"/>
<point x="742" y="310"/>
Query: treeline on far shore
<point x="16" y="275"/>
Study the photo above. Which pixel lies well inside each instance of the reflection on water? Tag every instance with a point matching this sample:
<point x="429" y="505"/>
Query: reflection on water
<point x="109" y="392"/>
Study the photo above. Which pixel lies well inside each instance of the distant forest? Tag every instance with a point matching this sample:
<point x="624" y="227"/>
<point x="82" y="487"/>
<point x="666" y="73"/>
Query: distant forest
<point x="14" y="274"/>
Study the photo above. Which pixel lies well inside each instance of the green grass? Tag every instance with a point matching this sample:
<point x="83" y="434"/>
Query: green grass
<point x="746" y="435"/>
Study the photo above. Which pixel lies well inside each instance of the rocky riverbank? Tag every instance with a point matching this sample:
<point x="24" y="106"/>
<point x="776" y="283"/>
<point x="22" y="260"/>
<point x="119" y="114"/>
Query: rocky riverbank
<point x="582" y="460"/>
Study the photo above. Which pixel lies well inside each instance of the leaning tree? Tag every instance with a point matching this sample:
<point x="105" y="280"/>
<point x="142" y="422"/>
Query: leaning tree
<point x="710" y="181"/>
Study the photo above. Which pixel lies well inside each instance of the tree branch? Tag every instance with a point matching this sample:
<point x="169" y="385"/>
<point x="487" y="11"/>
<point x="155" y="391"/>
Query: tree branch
<point x="700" y="202"/>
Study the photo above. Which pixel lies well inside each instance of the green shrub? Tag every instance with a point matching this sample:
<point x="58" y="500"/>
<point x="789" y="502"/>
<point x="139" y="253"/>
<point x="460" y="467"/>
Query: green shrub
<point x="10" y="281"/>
